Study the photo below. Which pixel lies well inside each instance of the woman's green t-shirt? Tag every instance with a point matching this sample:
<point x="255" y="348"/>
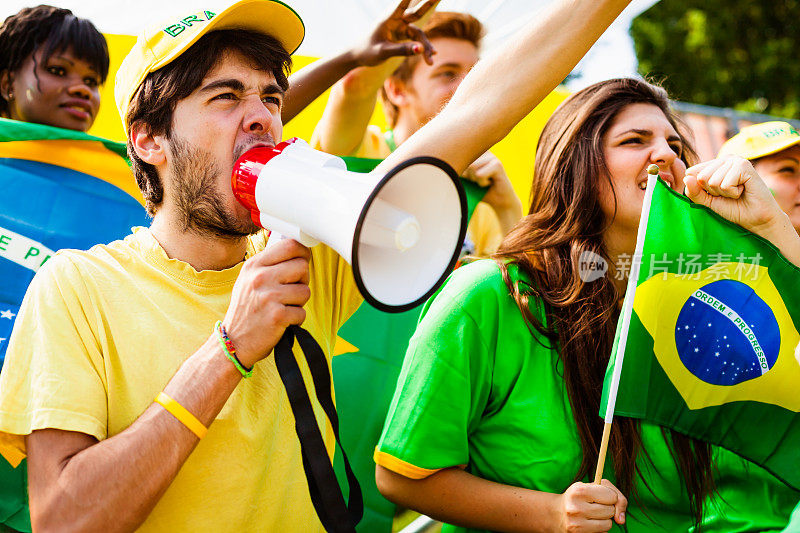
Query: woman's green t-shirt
<point x="479" y="389"/>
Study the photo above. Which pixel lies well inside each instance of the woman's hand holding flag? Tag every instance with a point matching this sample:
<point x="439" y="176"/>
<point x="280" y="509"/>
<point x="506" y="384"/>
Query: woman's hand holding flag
<point x="732" y="188"/>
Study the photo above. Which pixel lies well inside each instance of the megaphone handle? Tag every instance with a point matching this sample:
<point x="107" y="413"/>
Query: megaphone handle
<point x="284" y="230"/>
<point x="326" y="495"/>
<point x="275" y="238"/>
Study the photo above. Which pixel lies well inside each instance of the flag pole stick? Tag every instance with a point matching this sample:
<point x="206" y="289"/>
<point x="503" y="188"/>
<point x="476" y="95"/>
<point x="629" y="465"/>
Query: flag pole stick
<point x="601" y="459"/>
<point x="627" y="311"/>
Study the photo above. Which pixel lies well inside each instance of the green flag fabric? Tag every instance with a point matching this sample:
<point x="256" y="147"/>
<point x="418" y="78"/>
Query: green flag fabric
<point x="712" y="346"/>
<point x="13" y="497"/>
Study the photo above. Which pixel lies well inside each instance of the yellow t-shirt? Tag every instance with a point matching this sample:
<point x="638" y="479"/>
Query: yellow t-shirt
<point x="101" y="332"/>
<point x="373" y="145"/>
<point x="484" y="227"/>
<point x="484" y="230"/>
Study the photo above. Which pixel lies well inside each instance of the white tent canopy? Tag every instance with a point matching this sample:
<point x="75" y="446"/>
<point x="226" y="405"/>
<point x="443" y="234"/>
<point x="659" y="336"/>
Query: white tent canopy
<point x="333" y="25"/>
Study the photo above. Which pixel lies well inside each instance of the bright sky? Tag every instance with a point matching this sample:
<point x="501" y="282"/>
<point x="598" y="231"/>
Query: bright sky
<point x="332" y="25"/>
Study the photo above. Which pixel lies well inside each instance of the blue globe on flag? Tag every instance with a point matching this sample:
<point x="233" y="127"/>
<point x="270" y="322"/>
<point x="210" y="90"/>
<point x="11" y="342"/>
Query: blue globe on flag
<point x="726" y="334"/>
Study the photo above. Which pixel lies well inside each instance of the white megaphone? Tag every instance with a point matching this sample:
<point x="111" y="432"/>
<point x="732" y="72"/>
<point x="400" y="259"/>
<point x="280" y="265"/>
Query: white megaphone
<point x="401" y="231"/>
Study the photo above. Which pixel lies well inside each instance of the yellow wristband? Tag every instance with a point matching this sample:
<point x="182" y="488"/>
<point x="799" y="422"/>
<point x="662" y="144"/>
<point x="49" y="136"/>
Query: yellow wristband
<point x="184" y="417"/>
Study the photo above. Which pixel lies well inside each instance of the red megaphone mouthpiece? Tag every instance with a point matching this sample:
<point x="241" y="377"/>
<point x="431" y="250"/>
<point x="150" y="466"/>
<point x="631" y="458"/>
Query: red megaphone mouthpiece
<point x="245" y="174"/>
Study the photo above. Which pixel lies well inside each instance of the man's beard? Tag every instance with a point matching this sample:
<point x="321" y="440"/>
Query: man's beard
<point x="194" y="185"/>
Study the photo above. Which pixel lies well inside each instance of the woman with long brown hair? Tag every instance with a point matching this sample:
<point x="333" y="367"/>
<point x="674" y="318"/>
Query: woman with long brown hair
<point x="494" y="423"/>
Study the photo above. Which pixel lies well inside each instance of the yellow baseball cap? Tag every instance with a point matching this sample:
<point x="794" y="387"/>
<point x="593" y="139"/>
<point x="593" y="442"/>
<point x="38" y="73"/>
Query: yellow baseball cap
<point x="161" y="43"/>
<point x="760" y="140"/>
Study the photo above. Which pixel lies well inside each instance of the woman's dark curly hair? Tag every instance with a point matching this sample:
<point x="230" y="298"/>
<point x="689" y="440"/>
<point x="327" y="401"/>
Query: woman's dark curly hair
<point x="55" y="29"/>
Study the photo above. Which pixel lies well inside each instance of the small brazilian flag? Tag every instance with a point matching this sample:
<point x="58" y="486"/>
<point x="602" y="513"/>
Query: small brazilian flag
<point x="711" y="348"/>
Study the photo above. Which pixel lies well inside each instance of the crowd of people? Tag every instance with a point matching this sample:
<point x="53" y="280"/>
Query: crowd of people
<point x="494" y="423"/>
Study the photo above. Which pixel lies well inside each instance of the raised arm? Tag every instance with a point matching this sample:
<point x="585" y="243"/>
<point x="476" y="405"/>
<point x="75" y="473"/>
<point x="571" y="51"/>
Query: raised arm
<point x="507" y="84"/>
<point x="352" y="100"/>
<point x="732" y="188"/>
<point x="393" y="39"/>
<point x="350" y="107"/>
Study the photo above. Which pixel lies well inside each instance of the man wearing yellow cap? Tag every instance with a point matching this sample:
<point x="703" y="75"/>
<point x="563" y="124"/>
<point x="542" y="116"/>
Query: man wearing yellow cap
<point x="189" y="310"/>
<point x="774" y="150"/>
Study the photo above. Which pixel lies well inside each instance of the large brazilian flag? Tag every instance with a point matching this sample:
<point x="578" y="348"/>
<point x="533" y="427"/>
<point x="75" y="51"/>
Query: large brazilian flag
<point x="712" y="347"/>
<point x="60" y="189"/>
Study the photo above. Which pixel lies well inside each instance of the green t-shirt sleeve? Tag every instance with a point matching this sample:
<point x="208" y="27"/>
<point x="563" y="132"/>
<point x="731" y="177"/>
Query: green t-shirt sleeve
<point x="445" y="381"/>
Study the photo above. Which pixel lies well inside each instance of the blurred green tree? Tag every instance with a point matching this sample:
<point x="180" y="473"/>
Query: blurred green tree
<point x="728" y="53"/>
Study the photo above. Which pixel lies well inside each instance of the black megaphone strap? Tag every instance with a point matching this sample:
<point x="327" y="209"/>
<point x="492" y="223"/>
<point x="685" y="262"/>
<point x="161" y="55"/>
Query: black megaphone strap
<point x="326" y="495"/>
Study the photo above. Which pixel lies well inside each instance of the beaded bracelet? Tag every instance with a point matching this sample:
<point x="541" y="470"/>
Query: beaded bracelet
<point x="230" y="351"/>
